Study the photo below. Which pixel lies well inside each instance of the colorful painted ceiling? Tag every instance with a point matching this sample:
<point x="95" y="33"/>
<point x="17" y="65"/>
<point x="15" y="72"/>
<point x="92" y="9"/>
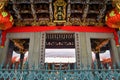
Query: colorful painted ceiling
<point x="59" y="12"/>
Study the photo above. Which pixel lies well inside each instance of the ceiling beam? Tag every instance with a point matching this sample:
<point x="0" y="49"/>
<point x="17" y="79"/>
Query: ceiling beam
<point x="103" y="43"/>
<point x="51" y="10"/>
<point x="102" y="11"/>
<point x="85" y="11"/>
<point x="16" y="10"/>
<point x="68" y="10"/>
<point x="33" y="10"/>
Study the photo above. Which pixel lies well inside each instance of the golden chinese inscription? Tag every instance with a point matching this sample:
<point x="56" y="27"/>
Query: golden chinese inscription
<point x="60" y="11"/>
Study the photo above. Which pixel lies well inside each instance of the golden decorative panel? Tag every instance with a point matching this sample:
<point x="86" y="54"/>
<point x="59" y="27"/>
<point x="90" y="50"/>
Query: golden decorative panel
<point x="60" y="11"/>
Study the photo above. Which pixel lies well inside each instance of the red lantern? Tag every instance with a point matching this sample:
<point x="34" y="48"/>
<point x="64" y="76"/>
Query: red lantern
<point x="113" y="19"/>
<point x="6" y="20"/>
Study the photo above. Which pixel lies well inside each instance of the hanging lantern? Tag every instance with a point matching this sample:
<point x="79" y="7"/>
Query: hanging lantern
<point x="6" y="20"/>
<point x="113" y="17"/>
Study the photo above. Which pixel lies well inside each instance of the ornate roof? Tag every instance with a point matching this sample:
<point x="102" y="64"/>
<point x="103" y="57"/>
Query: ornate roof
<point x="59" y="12"/>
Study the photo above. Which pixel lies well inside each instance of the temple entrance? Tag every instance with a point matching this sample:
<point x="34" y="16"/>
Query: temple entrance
<point x="17" y="53"/>
<point x="60" y="50"/>
<point x="101" y="52"/>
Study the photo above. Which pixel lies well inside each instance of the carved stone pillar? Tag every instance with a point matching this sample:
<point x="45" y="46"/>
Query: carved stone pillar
<point x="115" y="53"/>
<point x="36" y="55"/>
<point x="118" y="52"/>
<point x="1" y="49"/>
<point x="42" y="48"/>
<point x="77" y="49"/>
<point x="83" y="52"/>
<point x="119" y="43"/>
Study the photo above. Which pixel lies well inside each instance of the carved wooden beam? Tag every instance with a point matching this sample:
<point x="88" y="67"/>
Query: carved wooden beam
<point x="116" y="3"/>
<point x="20" y="45"/>
<point x="68" y="10"/>
<point x="17" y="44"/>
<point x="102" y="11"/>
<point x="102" y="44"/>
<point x="16" y="10"/>
<point x="2" y="4"/>
<point x="33" y="10"/>
<point x="85" y="12"/>
<point x="51" y="10"/>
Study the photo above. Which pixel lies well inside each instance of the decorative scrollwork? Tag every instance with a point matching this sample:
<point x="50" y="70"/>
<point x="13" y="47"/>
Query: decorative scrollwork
<point x="117" y="4"/>
<point x="2" y="4"/>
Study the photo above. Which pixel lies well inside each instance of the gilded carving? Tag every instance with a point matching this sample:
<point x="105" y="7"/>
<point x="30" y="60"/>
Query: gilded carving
<point x="67" y="24"/>
<point x="75" y="21"/>
<point x="2" y="4"/>
<point x="51" y="24"/>
<point x="117" y="4"/>
<point x="60" y="11"/>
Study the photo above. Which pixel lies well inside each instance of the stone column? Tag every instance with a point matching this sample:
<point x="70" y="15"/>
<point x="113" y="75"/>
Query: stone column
<point x="83" y="51"/>
<point x="1" y="49"/>
<point x="119" y="53"/>
<point x="4" y="51"/>
<point x="115" y="53"/>
<point x="77" y="50"/>
<point x="37" y="51"/>
<point x="42" y="48"/>
<point x="34" y="51"/>
<point x="118" y="48"/>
